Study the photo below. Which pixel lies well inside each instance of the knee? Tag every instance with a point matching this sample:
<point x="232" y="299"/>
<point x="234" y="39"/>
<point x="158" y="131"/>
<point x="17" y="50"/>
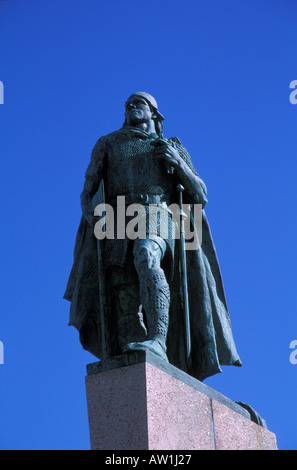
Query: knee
<point x="147" y="255"/>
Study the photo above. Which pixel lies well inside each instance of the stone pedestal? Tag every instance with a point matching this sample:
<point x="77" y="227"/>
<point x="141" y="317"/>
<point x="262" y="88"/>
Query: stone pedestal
<point x="137" y="402"/>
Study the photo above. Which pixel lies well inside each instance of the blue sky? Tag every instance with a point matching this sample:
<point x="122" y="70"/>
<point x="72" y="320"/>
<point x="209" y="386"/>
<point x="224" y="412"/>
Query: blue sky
<point x="220" y="71"/>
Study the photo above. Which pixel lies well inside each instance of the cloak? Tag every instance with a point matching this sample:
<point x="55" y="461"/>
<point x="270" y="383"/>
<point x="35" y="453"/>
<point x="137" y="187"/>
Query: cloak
<point x="211" y="336"/>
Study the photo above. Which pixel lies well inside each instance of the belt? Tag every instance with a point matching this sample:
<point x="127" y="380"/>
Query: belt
<point x="140" y="198"/>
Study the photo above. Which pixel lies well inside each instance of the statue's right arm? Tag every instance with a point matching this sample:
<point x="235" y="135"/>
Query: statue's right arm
<point x="93" y="176"/>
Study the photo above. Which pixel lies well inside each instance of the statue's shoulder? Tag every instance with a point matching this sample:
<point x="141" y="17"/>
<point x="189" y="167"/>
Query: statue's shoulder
<point x="115" y="135"/>
<point x="175" y="140"/>
<point x="111" y="139"/>
<point x="183" y="153"/>
<point x="105" y="140"/>
<point x="177" y="143"/>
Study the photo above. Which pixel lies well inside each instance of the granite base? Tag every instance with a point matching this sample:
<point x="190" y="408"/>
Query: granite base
<point x="138" y="402"/>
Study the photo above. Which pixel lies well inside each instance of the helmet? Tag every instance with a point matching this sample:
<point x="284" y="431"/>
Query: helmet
<point x="151" y="100"/>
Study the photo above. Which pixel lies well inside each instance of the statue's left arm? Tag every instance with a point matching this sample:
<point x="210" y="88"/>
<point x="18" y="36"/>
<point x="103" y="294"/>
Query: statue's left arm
<point x="177" y="156"/>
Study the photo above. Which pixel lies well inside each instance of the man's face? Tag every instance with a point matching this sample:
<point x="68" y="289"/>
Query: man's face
<point x="138" y="110"/>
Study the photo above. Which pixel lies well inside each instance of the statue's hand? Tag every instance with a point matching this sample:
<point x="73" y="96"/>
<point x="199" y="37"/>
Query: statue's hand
<point x="168" y="153"/>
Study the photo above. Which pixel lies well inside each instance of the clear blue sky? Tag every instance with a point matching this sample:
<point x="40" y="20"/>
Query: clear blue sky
<point x="220" y="71"/>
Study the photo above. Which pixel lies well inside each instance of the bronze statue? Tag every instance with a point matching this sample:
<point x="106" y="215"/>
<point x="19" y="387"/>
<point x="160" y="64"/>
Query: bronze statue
<point x="148" y="293"/>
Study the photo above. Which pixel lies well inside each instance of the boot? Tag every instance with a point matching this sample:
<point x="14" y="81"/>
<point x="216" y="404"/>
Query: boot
<point x="155" y="296"/>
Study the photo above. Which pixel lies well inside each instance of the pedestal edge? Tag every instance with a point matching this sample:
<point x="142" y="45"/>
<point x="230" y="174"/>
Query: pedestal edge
<point x="138" y="357"/>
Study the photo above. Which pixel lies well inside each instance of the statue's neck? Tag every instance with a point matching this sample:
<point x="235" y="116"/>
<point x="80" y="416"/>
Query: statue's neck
<point x="148" y="127"/>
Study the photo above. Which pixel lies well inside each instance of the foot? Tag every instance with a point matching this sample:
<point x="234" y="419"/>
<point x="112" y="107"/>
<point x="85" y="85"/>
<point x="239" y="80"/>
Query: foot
<point x="150" y="345"/>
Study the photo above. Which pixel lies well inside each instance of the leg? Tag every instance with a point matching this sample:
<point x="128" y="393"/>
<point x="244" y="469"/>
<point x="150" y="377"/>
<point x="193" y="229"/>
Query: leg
<point x="154" y="294"/>
<point x="127" y="305"/>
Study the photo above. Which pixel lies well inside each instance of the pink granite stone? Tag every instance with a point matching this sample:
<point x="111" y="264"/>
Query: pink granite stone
<point x="141" y="407"/>
<point x="235" y="432"/>
<point x="117" y="413"/>
<point x="179" y="417"/>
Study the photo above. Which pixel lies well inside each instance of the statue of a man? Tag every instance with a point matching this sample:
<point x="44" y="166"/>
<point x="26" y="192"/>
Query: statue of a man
<point x="140" y="278"/>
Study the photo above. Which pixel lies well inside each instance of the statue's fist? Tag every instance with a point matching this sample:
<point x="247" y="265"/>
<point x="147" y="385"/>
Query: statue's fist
<point x="164" y="149"/>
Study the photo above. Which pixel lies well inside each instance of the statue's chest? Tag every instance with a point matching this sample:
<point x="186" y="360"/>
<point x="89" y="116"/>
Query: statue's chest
<point x="133" y="161"/>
